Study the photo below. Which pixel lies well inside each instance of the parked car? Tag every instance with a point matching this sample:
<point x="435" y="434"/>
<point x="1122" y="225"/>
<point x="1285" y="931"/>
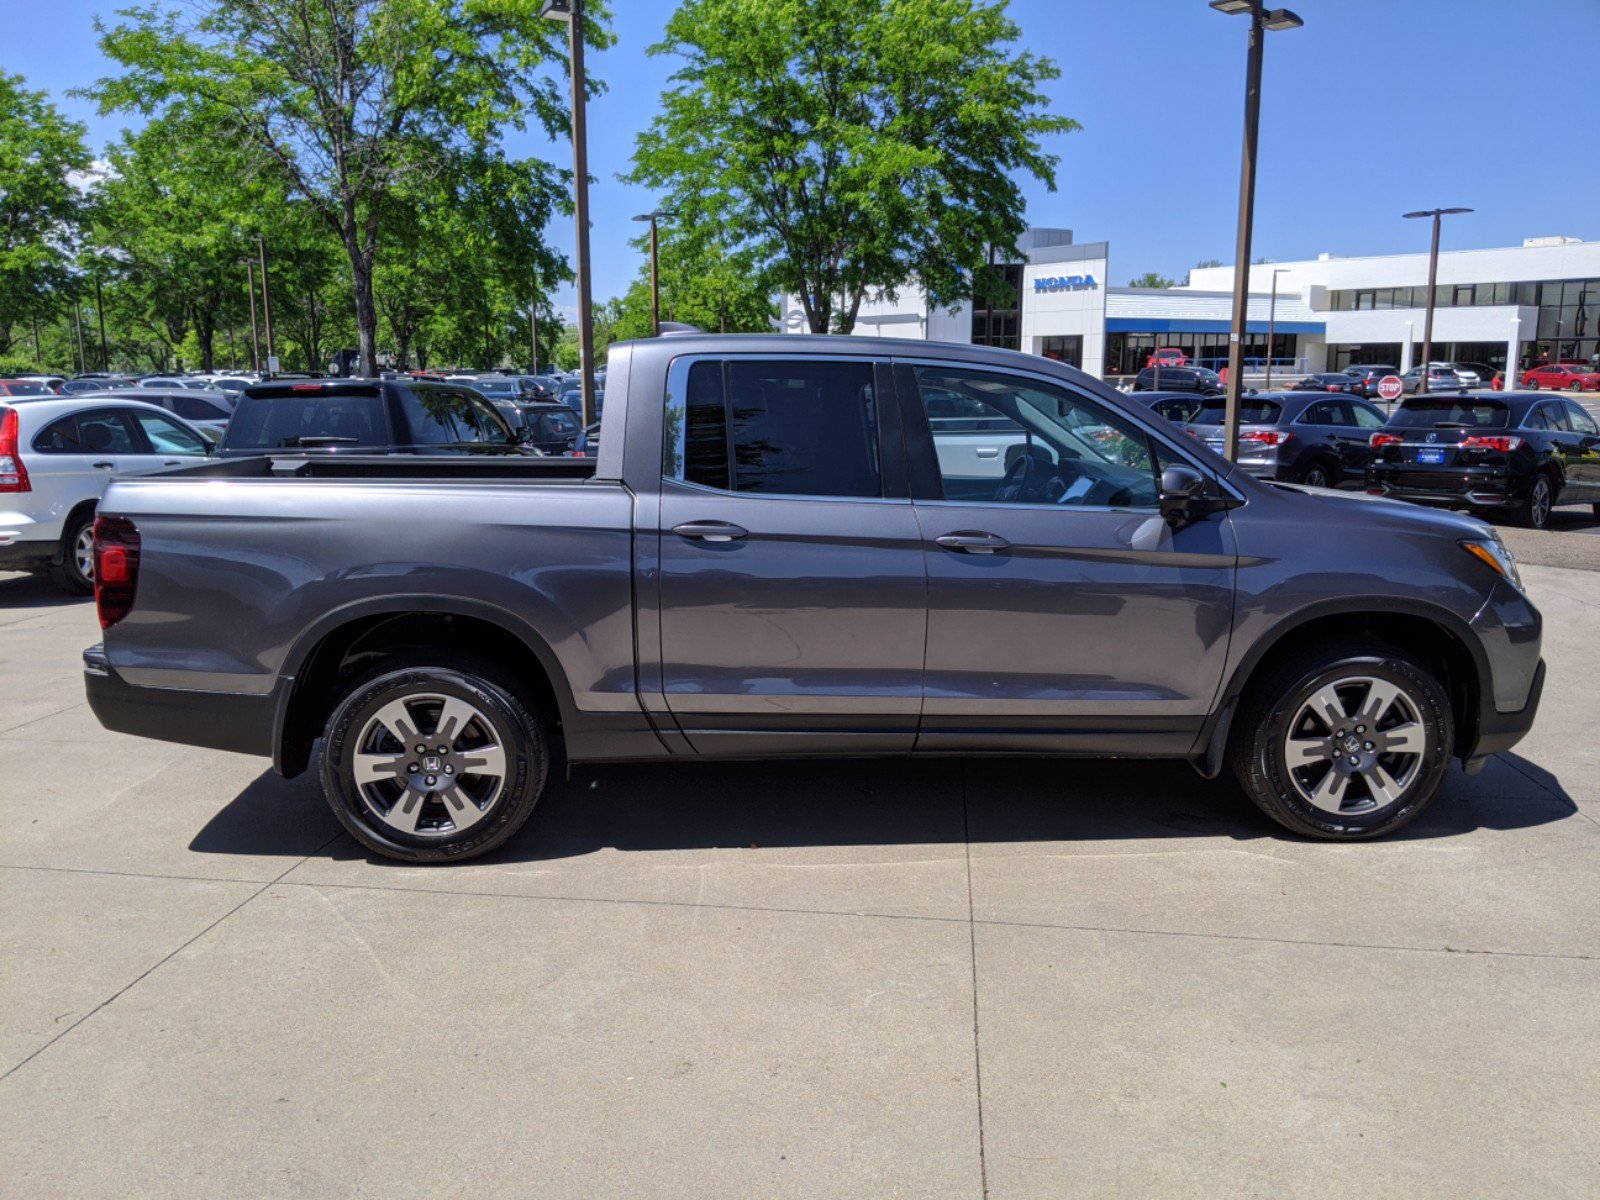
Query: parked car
<point x="769" y="561"/>
<point x="1368" y="378"/>
<point x="1562" y="378"/>
<point x="83" y="385"/>
<point x="1478" y="374"/>
<point x="538" y="387"/>
<point x="1514" y="453"/>
<point x="1440" y="379"/>
<point x="365" y="417"/>
<point x="1327" y="381"/>
<point x="174" y="381"/>
<point x="1179" y="379"/>
<point x="24" y="387"/>
<point x="1167" y="356"/>
<point x="502" y="391"/>
<point x="53" y="382"/>
<point x="57" y="456"/>
<point x="209" y="412"/>
<point x="552" y="428"/>
<point x="1469" y="378"/>
<point x="1298" y="437"/>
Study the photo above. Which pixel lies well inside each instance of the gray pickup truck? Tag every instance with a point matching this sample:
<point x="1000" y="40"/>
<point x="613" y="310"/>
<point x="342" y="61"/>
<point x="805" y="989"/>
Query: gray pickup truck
<point x="808" y="546"/>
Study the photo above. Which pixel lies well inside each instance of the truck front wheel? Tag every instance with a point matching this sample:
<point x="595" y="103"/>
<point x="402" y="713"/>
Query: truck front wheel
<point x="1345" y="741"/>
<point x="433" y="759"/>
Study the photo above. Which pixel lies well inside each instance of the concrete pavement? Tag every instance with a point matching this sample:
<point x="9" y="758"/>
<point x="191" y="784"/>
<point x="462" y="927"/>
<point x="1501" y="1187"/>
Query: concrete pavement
<point x="822" y="979"/>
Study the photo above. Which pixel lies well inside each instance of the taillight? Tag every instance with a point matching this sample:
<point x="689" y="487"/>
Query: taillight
<point x="13" y="475"/>
<point x="1505" y="443"/>
<point x="116" y="568"/>
<point x="1384" y="439"/>
<point x="1264" y="437"/>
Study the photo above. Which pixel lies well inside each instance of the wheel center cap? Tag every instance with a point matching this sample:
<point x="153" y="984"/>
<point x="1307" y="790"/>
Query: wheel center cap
<point x="1352" y="745"/>
<point x="432" y="764"/>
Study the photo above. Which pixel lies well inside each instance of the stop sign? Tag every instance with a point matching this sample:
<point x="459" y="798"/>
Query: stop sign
<point x="1389" y="387"/>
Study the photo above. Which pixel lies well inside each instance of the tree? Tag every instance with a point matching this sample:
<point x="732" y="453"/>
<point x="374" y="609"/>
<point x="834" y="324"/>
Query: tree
<point x="350" y="101"/>
<point x="850" y="146"/>
<point x="40" y="151"/>
<point x="701" y="283"/>
<point x="1150" y="279"/>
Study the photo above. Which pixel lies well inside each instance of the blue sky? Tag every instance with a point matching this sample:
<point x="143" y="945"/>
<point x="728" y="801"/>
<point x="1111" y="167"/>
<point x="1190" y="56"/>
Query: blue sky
<point x="1375" y="108"/>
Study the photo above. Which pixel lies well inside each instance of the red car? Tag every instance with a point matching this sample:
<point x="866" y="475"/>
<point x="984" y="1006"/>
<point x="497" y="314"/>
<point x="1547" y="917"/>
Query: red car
<point x="1167" y="356"/>
<point x="1562" y="378"/>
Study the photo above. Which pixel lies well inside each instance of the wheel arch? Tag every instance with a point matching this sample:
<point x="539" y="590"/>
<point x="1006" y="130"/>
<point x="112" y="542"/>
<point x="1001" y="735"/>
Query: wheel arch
<point x="82" y="507"/>
<point x="1441" y="639"/>
<point x="356" y="638"/>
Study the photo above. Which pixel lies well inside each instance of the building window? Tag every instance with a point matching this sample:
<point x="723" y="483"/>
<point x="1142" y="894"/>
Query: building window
<point x="997" y="317"/>
<point x="1067" y="350"/>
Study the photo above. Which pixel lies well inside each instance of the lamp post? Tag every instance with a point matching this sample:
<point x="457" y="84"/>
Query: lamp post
<point x="655" y="264"/>
<point x="1513" y="351"/>
<point x="100" y="315"/>
<point x="1272" y="320"/>
<point x="266" y="307"/>
<point x="1433" y="279"/>
<point x="255" y="333"/>
<point x="571" y="11"/>
<point x="1261" y="20"/>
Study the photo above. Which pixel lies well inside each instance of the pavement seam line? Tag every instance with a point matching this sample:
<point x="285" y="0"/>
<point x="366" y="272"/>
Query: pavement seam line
<point x="972" y="938"/>
<point x="160" y="963"/>
<point x="46" y="717"/>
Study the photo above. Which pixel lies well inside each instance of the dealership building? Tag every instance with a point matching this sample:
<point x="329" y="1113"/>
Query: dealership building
<point x="1542" y="297"/>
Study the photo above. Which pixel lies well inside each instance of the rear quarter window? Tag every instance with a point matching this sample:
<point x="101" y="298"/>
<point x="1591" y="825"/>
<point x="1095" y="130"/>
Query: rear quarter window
<point x="1470" y="414"/>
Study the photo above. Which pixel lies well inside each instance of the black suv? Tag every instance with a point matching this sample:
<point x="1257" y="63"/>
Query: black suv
<point x="367" y="416"/>
<point x="1367" y="378"/>
<point x="1299" y="437"/>
<point x="1328" y="381"/>
<point x="1518" y="453"/>
<point x="1179" y="379"/>
<point x="551" y="427"/>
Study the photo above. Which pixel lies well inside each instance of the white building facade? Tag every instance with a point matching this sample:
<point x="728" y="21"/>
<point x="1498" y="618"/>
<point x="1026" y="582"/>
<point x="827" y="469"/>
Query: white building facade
<point x="1542" y="298"/>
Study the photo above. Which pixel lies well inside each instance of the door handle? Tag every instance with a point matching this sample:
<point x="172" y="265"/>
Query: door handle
<point x="173" y="462"/>
<point x="711" y="531"/>
<point x="106" y="466"/>
<point x="988" y="451"/>
<point x="972" y="542"/>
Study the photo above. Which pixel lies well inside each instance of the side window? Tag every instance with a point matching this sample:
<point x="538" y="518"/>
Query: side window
<point x="1052" y="446"/>
<point x="1368" y="417"/>
<point x="197" y="408"/>
<point x="1536" y="418"/>
<point x="799" y="428"/>
<point x="59" y="437"/>
<point x="1326" y="412"/>
<point x="167" y="436"/>
<point x="1581" y="421"/>
<point x="1555" y="417"/>
<point x="441" y="417"/>
<point x="106" y="431"/>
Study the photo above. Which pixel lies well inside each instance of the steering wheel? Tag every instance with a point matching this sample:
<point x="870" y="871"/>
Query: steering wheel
<point x="1027" y="480"/>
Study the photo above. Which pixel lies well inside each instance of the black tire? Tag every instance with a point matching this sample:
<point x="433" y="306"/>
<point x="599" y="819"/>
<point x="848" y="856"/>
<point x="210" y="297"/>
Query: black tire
<point x="1533" y="512"/>
<point x="1259" y="745"/>
<point x="501" y="718"/>
<point x="1531" y="384"/>
<point x="1316" y="473"/>
<point x="1597" y="512"/>
<point x="70" y="573"/>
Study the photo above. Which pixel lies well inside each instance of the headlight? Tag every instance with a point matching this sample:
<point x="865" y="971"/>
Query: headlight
<point x="1492" y="551"/>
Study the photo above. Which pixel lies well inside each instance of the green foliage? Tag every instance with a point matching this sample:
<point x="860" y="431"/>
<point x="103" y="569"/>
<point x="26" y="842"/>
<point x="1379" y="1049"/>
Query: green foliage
<point x="40" y="209"/>
<point x="701" y="284"/>
<point x="358" y="107"/>
<point x="1150" y="279"/>
<point x="849" y="146"/>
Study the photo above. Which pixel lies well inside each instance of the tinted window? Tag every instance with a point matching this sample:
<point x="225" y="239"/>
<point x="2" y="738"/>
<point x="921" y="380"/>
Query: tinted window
<point x="106" y="431"/>
<point x="197" y="408"/>
<point x="440" y="417"/>
<point x="1178" y="410"/>
<point x="166" y="436"/>
<point x="1427" y="413"/>
<point x="22" y="388"/>
<point x="556" y="424"/>
<point x="1367" y="417"/>
<point x="1328" y="412"/>
<point x="280" y="422"/>
<point x="1054" y="446"/>
<point x="1252" y="411"/>
<point x="1581" y="422"/>
<point x="59" y="437"/>
<point x="801" y="428"/>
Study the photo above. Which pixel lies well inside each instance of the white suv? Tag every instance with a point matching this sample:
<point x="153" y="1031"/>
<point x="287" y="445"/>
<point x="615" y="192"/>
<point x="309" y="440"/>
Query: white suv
<point x="57" y="456"/>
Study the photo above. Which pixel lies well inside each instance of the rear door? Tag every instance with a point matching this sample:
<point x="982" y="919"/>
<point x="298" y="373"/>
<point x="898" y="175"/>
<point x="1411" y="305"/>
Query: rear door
<point x="1063" y="613"/>
<point x="1582" y="453"/>
<point x="792" y="591"/>
<point x="165" y="442"/>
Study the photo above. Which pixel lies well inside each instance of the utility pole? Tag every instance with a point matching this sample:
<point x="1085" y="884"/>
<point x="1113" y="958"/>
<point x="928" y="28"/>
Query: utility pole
<point x="571" y="11"/>
<point x="655" y="268"/>
<point x="255" y="333"/>
<point x="266" y="305"/>
<point x="100" y="314"/>
<point x="533" y="325"/>
<point x="1433" y="283"/>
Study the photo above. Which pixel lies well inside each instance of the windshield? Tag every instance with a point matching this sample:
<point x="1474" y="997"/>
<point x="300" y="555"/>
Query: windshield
<point x="1251" y="411"/>
<point x="1451" y="411"/>
<point x="284" y="422"/>
<point x="496" y="387"/>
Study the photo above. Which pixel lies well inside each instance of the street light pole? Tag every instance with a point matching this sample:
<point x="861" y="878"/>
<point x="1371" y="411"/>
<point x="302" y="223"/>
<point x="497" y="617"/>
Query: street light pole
<point x="1272" y="320"/>
<point x="100" y="315"/>
<point x="255" y="333"/>
<point x="655" y="267"/>
<point x="1433" y="283"/>
<point x="266" y="304"/>
<point x="571" y="11"/>
<point x="1261" y="20"/>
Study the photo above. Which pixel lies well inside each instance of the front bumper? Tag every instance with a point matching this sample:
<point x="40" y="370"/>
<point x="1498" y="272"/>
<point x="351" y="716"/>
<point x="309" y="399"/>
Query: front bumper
<point x="232" y="721"/>
<point x="1498" y="730"/>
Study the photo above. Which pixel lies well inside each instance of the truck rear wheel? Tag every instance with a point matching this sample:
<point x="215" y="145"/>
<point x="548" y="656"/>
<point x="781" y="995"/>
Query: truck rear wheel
<point x="433" y="759"/>
<point x="1347" y="741"/>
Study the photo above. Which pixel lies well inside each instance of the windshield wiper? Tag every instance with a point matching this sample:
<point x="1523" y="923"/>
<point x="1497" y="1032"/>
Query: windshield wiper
<point x="318" y="440"/>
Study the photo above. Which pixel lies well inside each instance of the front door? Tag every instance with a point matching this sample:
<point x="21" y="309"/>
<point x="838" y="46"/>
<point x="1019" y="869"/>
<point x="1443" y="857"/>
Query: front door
<point x="792" y="591"/>
<point x="1064" y="614"/>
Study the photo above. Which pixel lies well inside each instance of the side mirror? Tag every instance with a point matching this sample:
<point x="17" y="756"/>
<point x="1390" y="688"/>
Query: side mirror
<point x="1183" y="496"/>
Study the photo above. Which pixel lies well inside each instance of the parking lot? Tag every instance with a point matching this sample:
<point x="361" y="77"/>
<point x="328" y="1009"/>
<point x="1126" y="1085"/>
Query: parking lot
<point x="946" y="978"/>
